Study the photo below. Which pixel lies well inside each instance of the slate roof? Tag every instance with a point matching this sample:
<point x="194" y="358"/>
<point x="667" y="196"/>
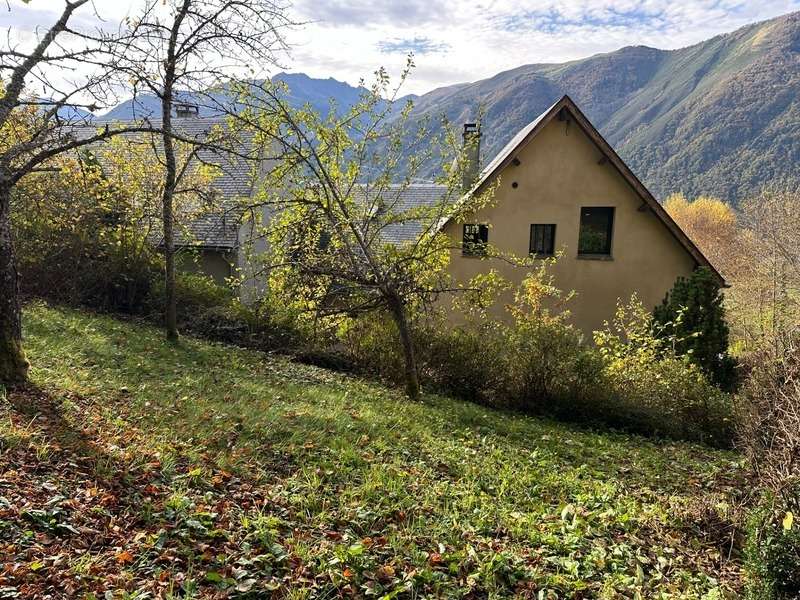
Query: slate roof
<point x="403" y="199"/>
<point x="214" y="229"/>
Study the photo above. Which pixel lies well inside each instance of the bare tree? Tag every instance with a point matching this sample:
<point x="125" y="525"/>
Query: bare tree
<point x="193" y="49"/>
<point x="35" y="129"/>
<point x="771" y="284"/>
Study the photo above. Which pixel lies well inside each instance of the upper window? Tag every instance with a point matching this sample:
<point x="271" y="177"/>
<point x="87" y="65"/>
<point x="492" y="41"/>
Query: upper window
<point x="476" y="237"/>
<point x="597" y="224"/>
<point x="543" y="240"/>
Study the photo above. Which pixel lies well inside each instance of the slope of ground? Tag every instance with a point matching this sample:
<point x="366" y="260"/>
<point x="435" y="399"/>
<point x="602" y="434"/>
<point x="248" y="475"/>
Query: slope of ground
<point x="132" y="468"/>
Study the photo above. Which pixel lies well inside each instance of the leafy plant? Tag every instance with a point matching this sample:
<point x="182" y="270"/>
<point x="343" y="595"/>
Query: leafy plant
<point x="692" y="317"/>
<point x="655" y="388"/>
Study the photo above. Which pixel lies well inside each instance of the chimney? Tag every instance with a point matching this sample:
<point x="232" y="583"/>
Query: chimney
<point x="472" y="154"/>
<point x="184" y="110"/>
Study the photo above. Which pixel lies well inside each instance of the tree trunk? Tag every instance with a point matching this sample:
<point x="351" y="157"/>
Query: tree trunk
<point x="401" y="320"/>
<point x="171" y="307"/>
<point x="13" y="364"/>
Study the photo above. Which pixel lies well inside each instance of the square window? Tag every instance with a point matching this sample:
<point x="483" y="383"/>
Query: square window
<point x="597" y="223"/>
<point x="543" y="240"/>
<point x="476" y="237"/>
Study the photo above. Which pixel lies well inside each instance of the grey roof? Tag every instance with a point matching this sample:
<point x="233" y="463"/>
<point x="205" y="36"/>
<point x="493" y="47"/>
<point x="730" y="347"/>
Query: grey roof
<point x="403" y="199"/>
<point x="218" y="226"/>
<point x="217" y="229"/>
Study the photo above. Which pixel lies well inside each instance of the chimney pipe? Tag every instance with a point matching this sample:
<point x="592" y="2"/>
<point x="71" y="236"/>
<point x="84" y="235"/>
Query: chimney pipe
<point x="184" y="110"/>
<point x="472" y="155"/>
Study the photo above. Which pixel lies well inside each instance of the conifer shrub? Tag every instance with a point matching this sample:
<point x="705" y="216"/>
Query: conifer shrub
<point x="692" y="317"/>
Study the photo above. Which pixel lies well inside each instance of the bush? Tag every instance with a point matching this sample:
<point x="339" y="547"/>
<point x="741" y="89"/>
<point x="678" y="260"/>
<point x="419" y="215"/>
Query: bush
<point x="654" y="389"/>
<point x="538" y="363"/>
<point x="769" y="419"/>
<point x="195" y="294"/>
<point x="86" y="243"/>
<point x="467" y="362"/>
<point x="772" y="554"/>
<point x="692" y="318"/>
<point x="769" y="436"/>
<point x="551" y="370"/>
<point x="215" y="312"/>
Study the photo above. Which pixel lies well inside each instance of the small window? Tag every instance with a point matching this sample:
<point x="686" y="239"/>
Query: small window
<point x="476" y="237"/>
<point x="543" y="240"/>
<point x="595" y="233"/>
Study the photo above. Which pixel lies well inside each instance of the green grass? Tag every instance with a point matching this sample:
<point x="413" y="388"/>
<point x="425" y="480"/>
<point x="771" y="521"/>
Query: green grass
<point x="265" y="474"/>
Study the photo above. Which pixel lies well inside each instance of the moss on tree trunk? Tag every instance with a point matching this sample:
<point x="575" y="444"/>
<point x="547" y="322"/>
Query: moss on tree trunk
<point x="13" y="364"/>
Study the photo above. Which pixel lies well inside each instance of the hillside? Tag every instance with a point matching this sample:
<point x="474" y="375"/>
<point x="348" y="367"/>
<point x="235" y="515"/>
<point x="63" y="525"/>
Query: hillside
<point x="721" y="117"/>
<point x="210" y="471"/>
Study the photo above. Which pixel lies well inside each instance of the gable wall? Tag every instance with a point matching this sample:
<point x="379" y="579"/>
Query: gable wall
<point x="559" y="173"/>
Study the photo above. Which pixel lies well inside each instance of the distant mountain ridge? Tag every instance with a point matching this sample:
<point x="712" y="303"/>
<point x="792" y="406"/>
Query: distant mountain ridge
<point x="302" y="90"/>
<point x="721" y="117"/>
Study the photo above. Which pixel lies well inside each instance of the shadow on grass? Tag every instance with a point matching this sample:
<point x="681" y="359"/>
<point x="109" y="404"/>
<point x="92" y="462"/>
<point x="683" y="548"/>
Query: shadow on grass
<point x="37" y="406"/>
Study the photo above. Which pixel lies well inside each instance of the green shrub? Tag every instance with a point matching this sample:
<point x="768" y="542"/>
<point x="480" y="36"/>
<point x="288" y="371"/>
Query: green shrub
<point x="368" y="344"/>
<point x="215" y="312"/>
<point x="551" y="370"/>
<point x="769" y="436"/>
<point x="195" y="293"/>
<point x="536" y="363"/>
<point x="86" y="264"/>
<point x="81" y="239"/>
<point x="539" y="363"/>
<point x="692" y="317"/>
<point x="654" y="389"/>
<point x="467" y="362"/>
<point x="772" y="554"/>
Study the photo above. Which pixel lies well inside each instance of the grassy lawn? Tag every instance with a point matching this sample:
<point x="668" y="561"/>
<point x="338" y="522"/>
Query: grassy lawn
<point x="134" y="469"/>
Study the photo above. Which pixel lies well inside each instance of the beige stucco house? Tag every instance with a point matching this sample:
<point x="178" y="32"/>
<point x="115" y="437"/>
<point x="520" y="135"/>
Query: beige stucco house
<point x="561" y="189"/>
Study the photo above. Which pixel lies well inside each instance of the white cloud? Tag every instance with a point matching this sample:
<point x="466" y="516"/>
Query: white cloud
<point x="466" y="41"/>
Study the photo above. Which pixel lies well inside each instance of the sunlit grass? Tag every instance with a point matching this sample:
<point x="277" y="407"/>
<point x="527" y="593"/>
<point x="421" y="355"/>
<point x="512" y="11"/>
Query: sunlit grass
<point x="458" y="497"/>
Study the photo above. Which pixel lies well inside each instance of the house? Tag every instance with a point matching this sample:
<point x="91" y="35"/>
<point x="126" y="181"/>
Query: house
<point x="561" y="189"/>
<point x="210" y="238"/>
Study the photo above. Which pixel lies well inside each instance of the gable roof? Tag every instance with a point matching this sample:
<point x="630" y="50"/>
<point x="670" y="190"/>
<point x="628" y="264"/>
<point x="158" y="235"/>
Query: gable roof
<point x="507" y="155"/>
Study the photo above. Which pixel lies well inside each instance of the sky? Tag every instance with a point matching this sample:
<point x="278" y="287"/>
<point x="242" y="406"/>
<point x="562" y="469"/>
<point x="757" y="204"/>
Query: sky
<point x="455" y="41"/>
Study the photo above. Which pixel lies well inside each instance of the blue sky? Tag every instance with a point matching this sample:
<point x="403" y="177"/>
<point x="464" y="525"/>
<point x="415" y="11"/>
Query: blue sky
<point x="456" y="41"/>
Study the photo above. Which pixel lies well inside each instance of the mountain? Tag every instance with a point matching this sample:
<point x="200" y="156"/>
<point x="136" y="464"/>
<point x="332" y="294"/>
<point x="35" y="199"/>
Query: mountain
<point x="721" y="117"/>
<point x="302" y="90"/>
<point x="67" y="112"/>
<point x="74" y="114"/>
